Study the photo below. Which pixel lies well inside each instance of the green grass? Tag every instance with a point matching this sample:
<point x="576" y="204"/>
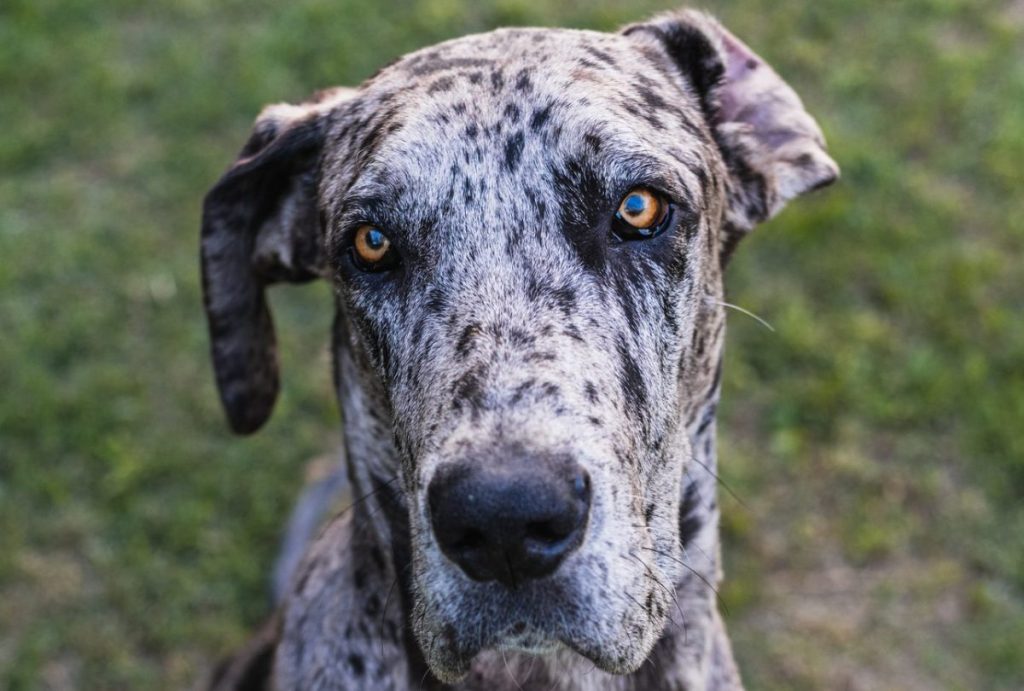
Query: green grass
<point x="875" y="438"/>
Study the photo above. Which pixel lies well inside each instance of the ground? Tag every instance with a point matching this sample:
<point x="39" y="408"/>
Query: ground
<point x="872" y="447"/>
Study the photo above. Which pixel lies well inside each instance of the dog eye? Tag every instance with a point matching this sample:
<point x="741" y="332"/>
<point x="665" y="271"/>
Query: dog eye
<point x="371" y="249"/>
<point x="642" y="214"/>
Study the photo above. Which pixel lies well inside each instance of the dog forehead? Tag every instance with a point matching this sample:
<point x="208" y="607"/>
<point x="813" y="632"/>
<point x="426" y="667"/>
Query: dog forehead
<point x="516" y="60"/>
<point x="494" y="101"/>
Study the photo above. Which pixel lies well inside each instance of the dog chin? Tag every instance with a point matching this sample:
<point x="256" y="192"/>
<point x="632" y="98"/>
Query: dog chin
<point x="451" y="659"/>
<point x="450" y="667"/>
<point x="450" y="663"/>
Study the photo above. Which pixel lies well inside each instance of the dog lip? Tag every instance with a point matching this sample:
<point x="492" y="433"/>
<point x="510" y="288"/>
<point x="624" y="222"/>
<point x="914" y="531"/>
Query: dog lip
<point x="527" y="639"/>
<point x="521" y="636"/>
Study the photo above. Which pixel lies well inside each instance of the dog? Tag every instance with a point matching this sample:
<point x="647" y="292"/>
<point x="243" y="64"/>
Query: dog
<point x="526" y="231"/>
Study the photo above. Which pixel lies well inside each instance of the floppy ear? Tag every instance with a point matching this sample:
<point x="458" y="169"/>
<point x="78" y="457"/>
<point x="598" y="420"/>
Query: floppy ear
<point x="261" y="226"/>
<point x="772" y="147"/>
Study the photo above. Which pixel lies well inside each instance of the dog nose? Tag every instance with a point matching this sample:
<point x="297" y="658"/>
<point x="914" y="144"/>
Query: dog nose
<point x="512" y="520"/>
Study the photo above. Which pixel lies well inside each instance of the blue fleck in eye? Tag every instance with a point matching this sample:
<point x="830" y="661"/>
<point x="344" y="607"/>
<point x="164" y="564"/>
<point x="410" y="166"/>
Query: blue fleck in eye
<point x="375" y="240"/>
<point x="634" y="205"/>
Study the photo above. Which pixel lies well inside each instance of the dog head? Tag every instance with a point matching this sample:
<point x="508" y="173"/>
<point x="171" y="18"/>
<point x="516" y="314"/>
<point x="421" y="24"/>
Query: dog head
<point x="526" y="230"/>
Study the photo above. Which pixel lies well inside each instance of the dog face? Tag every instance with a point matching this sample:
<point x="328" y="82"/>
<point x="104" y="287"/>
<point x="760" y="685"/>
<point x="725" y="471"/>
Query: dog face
<point x="526" y="230"/>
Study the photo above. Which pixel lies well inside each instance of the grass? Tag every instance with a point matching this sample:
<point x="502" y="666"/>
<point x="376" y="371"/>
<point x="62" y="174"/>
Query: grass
<point x="874" y="438"/>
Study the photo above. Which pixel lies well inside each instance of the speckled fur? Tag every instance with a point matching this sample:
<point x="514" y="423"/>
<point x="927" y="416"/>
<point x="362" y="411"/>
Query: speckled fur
<point x="494" y="163"/>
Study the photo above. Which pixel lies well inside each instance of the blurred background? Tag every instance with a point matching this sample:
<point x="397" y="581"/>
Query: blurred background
<point x="873" y="444"/>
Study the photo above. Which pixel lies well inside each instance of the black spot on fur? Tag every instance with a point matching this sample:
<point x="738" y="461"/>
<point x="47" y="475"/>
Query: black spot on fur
<point x="465" y="342"/>
<point x="520" y="391"/>
<point x="497" y="81"/>
<point x="651" y="99"/>
<point x="601" y="55"/>
<point x="634" y="391"/>
<point x="357" y="664"/>
<point x="540" y="118"/>
<point x="441" y="85"/>
<point x="523" y="82"/>
<point x="468" y="391"/>
<point x="513" y="152"/>
<point x="437" y="301"/>
<point x="535" y="201"/>
<point x="566" y="299"/>
<point x="637" y="112"/>
<point x="591" y="391"/>
<point x="429" y="63"/>
<point x="626" y="278"/>
<point x="512" y="113"/>
<point x="707" y="419"/>
<point x="519" y="338"/>
<point x="583" y="198"/>
<point x="689" y="515"/>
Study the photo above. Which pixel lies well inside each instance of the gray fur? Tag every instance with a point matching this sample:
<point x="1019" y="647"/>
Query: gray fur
<point x="494" y="163"/>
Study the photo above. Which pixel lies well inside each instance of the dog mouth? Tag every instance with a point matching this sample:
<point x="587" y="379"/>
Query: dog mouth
<point x="491" y="617"/>
<point x="452" y="660"/>
<point x="541" y="620"/>
<point x="525" y="639"/>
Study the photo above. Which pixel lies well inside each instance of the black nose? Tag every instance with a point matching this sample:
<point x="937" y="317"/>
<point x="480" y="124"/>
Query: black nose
<point x="509" y="519"/>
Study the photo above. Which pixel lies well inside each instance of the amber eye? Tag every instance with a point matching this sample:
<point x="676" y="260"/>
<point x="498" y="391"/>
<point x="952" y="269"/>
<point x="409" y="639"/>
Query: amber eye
<point x="372" y="249"/>
<point x="642" y="214"/>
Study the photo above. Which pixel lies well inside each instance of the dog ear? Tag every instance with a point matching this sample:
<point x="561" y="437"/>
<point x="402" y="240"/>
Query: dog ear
<point x="772" y="147"/>
<point x="260" y="226"/>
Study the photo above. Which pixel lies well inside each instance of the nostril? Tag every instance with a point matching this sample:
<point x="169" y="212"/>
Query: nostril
<point x="470" y="540"/>
<point x="547" y="531"/>
<point x="581" y="485"/>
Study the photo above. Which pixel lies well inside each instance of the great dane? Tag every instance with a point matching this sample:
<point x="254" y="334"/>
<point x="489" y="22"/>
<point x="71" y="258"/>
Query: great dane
<point x="526" y="231"/>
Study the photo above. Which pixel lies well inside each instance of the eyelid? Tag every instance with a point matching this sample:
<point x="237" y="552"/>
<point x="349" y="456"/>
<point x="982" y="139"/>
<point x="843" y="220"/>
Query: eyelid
<point x="659" y="184"/>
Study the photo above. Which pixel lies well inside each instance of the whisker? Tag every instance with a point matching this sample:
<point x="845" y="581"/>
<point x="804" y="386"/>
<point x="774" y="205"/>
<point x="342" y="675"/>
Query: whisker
<point x="384" y="485"/>
<point x="634" y="600"/>
<point x="673" y="594"/>
<point x="509" y="671"/>
<point x="699" y="549"/>
<point x="384" y="611"/>
<point x="430" y="647"/>
<point x="720" y="481"/>
<point x="741" y="310"/>
<point x="529" y="670"/>
<point x="696" y="573"/>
